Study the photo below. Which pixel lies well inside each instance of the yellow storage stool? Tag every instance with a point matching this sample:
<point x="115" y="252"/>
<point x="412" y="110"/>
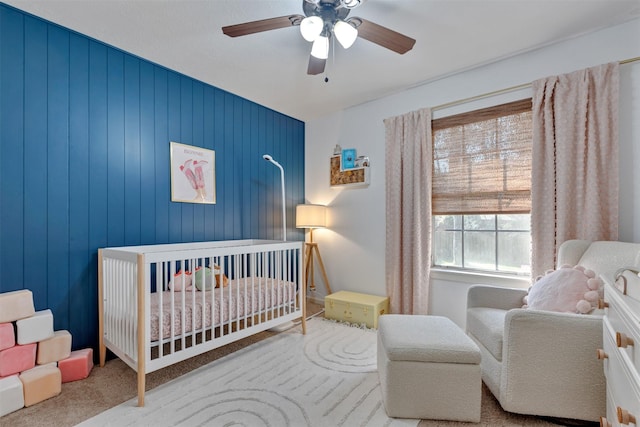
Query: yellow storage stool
<point x="355" y="308"/>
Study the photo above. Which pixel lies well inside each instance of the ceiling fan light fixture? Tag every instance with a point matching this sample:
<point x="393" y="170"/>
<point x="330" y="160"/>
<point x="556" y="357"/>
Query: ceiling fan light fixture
<point x="311" y="27"/>
<point x="345" y="33"/>
<point x="350" y="4"/>
<point x="320" y="48"/>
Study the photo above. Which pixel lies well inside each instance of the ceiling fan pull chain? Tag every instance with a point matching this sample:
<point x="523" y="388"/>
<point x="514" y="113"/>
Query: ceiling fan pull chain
<point x="332" y="45"/>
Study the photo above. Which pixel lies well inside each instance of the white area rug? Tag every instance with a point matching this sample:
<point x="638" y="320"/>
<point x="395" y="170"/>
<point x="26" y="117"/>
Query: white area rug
<point x="324" y="378"/>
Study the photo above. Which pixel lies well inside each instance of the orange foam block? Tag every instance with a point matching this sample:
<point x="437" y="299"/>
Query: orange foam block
<point x="7" y="336"/>
<point x="53" y="349"/>
<point x="35" y="328"/>
<point x="17" y="359"/>
<point x="16" y="305"/>
<point x="11" y="397"/>
<point x="77" y="366"/>
<point x="41" y="383"/>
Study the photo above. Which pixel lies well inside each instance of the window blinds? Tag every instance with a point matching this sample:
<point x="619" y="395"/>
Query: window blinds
<point x="482" y="161"/>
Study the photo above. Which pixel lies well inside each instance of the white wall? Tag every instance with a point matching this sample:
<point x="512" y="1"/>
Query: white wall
<point x="353" y="247"/>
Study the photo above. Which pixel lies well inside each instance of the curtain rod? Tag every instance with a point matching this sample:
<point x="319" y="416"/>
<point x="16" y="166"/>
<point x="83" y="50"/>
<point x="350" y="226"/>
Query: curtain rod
<point x="506" y="90"/>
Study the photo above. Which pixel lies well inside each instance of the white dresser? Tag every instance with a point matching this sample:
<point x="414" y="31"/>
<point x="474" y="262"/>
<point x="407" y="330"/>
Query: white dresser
<point x="621" y="352"/>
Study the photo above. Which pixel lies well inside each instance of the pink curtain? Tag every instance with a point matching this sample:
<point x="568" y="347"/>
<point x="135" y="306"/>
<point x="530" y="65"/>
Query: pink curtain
<point x="408" y="211"/>
<point x="574" y="183"/>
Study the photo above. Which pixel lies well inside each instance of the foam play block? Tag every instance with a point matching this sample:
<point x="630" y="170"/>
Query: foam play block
<point x="36" y="328"/>
<point x="16" y="305"/>
<point x="7" y="336"/>
<point x="53" y="349"/>
<point x="17" y="359"/>
<point x="41" y="383"/>
<point x="77" y="366"/>
<point x="11" y="395"/>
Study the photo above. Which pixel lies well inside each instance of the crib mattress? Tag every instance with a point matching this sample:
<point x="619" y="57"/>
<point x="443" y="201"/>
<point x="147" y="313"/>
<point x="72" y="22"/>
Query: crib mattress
<point x="242" y="298"/>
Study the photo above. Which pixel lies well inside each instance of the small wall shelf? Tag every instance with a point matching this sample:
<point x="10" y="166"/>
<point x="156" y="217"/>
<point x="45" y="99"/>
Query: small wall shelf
<point x="354" y="177"/>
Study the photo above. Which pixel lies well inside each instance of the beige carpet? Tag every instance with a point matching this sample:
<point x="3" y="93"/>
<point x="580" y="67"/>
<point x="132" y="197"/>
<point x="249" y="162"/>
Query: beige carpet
<point x="116" y="383"/>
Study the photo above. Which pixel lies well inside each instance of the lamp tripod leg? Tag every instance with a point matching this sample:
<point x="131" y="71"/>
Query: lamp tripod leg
<point x="324" y="273"/>
<point x="308" y="268"/>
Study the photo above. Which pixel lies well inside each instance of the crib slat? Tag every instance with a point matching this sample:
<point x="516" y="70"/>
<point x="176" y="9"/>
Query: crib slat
<point x="141" y="330"/>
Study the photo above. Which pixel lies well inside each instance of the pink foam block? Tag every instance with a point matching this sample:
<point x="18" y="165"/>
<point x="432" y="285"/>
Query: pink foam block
<point x="77" y="366"/>
<point x="17" y="359"/>
<point x="7" y="336"/>
<point x="41" y="383"/>
<point x="35" y="328"/>
<point x="16" y="305"/>
<point x="11" y="397"/>
<point x="55" y="348"/>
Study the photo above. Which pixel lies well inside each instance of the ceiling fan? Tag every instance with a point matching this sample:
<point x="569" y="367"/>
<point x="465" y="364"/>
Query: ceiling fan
<point x="322" y="20"/>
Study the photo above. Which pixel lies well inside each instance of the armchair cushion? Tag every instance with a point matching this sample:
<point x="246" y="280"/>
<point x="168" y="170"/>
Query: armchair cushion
<point x="487" y="326"/>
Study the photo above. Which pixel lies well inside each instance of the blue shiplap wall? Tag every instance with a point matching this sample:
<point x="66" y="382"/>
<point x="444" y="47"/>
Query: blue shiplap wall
<point x="84" y="163"/>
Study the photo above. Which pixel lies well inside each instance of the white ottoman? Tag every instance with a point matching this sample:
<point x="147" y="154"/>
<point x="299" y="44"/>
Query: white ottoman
<point x="428" y="369"/>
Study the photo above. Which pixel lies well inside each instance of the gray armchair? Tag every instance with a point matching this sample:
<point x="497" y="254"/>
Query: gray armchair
<point x="541" y="362"/>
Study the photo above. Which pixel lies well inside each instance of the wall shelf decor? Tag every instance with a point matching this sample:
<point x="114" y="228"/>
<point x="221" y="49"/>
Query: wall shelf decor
<point x="353" y="177"/>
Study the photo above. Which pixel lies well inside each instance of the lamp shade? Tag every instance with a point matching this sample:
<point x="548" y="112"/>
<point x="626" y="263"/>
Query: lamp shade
<point x="311" y="216"/>
<point x="311" y="27"/>
<point x="320" y="47"/>
<point x="345" y="33"/>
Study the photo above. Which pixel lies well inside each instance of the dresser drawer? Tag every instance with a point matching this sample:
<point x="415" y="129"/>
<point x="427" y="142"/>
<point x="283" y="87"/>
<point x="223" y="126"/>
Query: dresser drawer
<point x="611" y="410"/>
<point x="624" y="322"/>
<point x="623" y="381"/>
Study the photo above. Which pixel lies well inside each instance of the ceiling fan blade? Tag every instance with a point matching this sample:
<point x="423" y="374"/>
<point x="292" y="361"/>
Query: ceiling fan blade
<point x="262" y="25"/>
<point x="383" y="36"/>
<point x="316" y="66"/>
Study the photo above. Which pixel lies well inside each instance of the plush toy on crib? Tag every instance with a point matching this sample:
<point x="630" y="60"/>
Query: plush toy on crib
<point x="202" y="278"/>
<point x="567" y="289"/>
<point x="181" y="281"/>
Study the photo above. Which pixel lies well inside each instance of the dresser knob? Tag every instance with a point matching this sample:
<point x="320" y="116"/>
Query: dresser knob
<point x="604" y="422"/>
<point x="602" y="304"/>
<point x="622" y="340"/>
<point x="624" y="417"/>
<point x="601" y="354"/>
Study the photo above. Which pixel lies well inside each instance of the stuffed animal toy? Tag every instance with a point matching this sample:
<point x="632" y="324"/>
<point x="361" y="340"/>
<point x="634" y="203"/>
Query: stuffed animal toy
<point x="180" y="279"/>
<point x="567" y="289"/>
<point x="221" y="279"/>
<point x="202" y="278"/>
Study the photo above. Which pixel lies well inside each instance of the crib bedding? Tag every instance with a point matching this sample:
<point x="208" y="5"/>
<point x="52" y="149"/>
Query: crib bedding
<point x="242" y="298"/>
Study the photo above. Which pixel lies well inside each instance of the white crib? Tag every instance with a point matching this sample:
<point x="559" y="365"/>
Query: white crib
<point x="151" y="319"/>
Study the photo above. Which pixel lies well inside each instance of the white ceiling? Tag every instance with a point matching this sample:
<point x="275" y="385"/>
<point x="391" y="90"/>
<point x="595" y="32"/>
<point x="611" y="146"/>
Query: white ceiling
<point x="270" y="67"/>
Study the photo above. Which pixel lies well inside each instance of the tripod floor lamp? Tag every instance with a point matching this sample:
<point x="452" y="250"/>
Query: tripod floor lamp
<point x="312" y="216"/>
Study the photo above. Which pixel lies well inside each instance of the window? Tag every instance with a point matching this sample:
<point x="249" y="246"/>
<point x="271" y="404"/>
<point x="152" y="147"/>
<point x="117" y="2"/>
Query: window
<point x="483" y="242"/>
<point x="481" y="194"/>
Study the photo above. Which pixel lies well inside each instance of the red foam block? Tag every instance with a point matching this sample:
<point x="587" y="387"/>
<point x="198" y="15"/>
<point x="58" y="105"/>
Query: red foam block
<point x="17" y="359"/>
<point x="77" y="366"/>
